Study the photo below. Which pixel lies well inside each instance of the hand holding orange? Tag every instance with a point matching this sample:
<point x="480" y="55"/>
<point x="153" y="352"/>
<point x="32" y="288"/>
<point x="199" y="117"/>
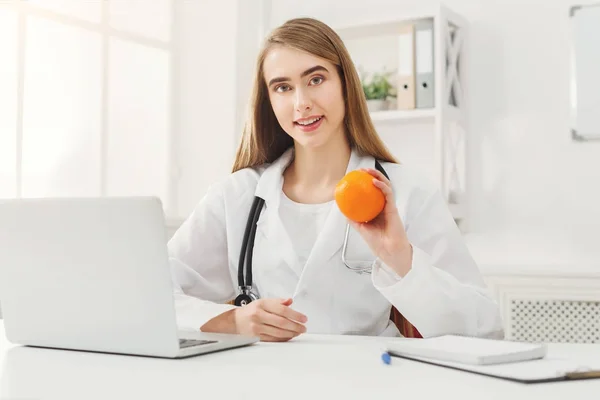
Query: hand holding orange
<point x="366" y="195"/>
<point x="358" y="198"/>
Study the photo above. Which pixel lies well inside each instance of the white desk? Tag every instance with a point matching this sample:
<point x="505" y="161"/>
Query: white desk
<point x="310" y="367"/>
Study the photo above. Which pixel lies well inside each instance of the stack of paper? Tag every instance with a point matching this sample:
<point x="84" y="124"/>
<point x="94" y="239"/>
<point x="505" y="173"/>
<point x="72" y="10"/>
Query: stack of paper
<point x="468" y="350"/>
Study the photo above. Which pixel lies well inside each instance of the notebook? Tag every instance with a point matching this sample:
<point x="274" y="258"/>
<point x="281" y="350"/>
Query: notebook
<point x="468" y="350"/>
<point x="513" y="361"/>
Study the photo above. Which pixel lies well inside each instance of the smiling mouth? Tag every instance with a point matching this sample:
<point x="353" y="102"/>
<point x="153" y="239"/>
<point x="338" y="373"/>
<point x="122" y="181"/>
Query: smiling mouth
<point x="310" y="122"/>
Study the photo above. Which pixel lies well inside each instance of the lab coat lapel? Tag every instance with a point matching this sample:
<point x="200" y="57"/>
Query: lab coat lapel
<point x="331" y="238"/>
<point x="269" y="188"/>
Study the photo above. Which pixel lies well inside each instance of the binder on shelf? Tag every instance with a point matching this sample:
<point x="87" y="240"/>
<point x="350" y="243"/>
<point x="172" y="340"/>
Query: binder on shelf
<point x="425" y="93"/>
<point x="406" y="97"/>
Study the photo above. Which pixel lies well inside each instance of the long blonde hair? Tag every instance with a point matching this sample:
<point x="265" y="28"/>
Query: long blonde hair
<point x="263" y="139"/>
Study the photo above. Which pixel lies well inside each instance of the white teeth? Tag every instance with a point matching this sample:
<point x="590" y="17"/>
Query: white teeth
<point x="310" y="121"/>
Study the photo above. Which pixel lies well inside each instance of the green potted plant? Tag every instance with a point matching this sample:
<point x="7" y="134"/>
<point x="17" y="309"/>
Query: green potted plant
<point x="377" y="90"/>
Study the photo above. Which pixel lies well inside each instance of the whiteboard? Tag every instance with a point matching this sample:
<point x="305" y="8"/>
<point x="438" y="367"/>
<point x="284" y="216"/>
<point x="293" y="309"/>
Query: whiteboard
<point x="585" y="77"/>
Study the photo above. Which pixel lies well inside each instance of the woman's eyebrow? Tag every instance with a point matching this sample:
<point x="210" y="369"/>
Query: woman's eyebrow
<point x="307" y="72"/>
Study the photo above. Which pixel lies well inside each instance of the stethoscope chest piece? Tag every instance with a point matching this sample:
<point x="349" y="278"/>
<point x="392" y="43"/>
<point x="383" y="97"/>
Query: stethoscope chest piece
<point x="245" y="298"/>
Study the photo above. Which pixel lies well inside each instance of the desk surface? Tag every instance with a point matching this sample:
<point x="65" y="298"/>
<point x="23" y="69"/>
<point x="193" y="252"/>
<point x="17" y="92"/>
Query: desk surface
<point x="310" y="367"/>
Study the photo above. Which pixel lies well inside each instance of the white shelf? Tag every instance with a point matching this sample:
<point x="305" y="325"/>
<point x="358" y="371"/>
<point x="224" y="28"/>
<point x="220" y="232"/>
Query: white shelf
<point x="389" y="25"/>
<point x="382" y="26"/>
<point x="404" y="115"/>
<point x="451" y="113"/>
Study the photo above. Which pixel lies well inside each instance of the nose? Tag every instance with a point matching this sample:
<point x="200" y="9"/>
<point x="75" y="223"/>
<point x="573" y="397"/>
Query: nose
<point x="303" y="101"/>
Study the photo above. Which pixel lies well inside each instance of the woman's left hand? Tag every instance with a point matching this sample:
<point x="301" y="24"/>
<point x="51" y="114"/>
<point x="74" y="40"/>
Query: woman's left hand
<point x="385" y="234"/>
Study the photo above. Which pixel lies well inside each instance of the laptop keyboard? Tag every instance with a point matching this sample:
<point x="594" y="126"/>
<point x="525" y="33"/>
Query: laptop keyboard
<point x="183" y="343"/>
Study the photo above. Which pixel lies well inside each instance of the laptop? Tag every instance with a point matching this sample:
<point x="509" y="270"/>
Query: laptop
<point x="93" y="274"/>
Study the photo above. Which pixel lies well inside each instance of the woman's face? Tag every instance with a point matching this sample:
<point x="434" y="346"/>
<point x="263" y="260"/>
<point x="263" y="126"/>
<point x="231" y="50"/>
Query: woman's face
<point x="306" y="95"/>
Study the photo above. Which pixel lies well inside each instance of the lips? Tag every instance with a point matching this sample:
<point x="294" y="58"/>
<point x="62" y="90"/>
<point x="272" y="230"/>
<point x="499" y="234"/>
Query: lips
<point x="309" y="124"/>
<point x="309" y="120"/>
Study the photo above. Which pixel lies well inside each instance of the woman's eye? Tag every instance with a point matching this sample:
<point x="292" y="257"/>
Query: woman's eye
<point x="316" y="80"/>
<point x="282" y="88"/>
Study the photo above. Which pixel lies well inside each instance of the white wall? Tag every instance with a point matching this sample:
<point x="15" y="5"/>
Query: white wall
<point x="218" y="42"/>
<point x="525" y="169"/>
<point x="206" y="91"/>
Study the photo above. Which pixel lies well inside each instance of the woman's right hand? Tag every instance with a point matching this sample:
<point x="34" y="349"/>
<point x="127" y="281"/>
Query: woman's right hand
<point x="272" y="320"/>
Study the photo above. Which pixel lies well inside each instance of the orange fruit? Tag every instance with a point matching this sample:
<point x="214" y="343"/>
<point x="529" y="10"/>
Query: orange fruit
<point x="358" y="198"/>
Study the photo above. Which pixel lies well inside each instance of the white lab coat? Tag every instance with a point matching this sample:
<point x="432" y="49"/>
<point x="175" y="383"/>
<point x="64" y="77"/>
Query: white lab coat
<point x="443" y="293"/>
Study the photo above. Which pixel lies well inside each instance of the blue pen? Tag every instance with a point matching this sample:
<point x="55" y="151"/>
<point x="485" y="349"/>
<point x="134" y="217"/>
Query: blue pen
<point x="386" y="358"/>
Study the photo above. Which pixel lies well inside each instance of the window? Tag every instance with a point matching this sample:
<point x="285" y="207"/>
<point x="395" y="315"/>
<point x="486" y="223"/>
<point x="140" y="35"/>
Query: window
<point x="8" y="103"/>
<point x="86" y="98"/>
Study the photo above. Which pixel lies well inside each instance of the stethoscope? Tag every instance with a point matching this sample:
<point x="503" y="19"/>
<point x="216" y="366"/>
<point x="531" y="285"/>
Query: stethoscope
<point x="246" y="293"/>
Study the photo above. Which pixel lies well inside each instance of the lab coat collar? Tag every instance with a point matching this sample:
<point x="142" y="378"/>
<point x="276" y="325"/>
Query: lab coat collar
<point x="270" y="183"/>
<point x="330" y="239"/>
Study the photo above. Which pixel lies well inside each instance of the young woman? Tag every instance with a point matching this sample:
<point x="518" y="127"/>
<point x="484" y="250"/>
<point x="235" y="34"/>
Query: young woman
<point x="308" y="126"/>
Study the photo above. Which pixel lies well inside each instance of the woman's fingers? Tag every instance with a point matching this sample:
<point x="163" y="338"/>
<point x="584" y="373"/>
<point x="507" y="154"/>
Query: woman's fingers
<point x="267" y="338"/>
<point x="287" y="302"/>
<point x="383" y="183"/>
<point x="276" y="332"/>
<point x="276" y="319"/>
<point x="378" y="175"/>
<point x="384" y="188"/>
<point x="275" y="307"/>
<point x="281" y="323"/>
<point x="272" y="319"/>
